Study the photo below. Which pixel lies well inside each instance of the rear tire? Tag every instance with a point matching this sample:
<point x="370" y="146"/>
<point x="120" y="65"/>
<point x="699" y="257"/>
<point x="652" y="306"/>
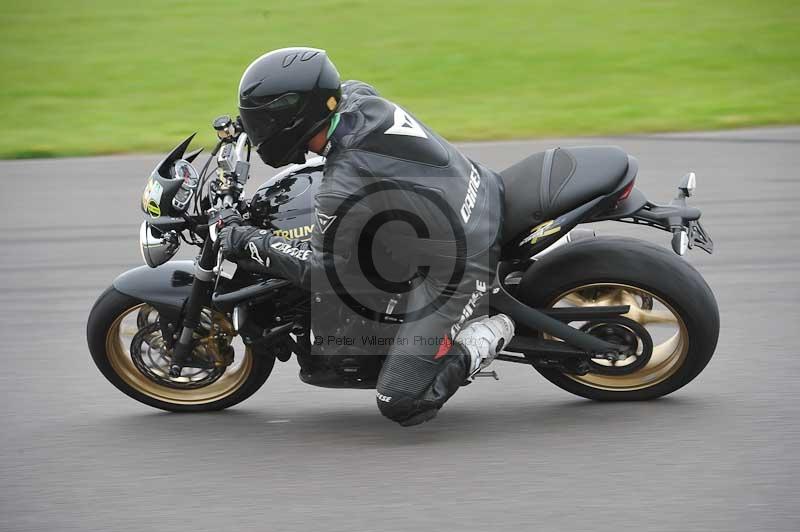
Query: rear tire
<point x="637" y="268"/>
<point x="109" y="354"/>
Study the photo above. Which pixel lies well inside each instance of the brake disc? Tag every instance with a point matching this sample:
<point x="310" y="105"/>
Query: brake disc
<point x="152" y="358"/>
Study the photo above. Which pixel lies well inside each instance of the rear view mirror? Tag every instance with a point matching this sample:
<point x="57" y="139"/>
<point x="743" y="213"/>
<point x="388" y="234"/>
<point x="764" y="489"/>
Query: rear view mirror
<point x="688" y="184"/>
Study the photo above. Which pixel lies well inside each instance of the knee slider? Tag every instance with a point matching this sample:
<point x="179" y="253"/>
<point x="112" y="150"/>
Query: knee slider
<point x="405" y="410"/>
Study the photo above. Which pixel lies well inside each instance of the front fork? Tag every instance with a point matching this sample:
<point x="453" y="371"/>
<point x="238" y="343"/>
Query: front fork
<point x="199" y="298"/>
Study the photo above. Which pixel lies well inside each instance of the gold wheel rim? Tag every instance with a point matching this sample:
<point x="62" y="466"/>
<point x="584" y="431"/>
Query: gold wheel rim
<point x="669" y="350"/>
<point x="120" y="358"/>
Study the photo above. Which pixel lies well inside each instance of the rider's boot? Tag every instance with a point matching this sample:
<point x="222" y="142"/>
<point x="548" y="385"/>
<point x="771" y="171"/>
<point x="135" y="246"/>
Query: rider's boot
<point x="483" y="338"/>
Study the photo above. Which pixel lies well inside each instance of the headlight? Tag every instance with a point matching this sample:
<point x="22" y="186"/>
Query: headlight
<point x="156" y="250"/>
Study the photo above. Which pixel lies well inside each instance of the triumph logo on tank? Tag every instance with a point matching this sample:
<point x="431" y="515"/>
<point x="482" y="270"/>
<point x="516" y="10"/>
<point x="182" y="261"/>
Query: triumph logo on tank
<point x="472" y="194"/>
<point x="295" y="233"/>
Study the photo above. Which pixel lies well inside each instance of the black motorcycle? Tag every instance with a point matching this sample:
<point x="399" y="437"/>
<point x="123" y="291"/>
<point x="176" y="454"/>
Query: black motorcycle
<point x="606" y="318"/>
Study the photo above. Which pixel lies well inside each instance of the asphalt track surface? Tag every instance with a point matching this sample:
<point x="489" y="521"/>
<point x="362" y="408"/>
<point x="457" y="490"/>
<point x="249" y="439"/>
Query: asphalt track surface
<point x="518" y="454"/>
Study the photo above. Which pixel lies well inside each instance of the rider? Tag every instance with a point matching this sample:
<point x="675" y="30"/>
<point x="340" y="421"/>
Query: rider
<point x="292" y="101"/>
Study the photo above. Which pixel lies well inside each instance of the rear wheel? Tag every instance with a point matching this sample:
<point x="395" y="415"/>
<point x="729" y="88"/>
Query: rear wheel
<point x="126" y="343"/>
<point x="672" y="326"/>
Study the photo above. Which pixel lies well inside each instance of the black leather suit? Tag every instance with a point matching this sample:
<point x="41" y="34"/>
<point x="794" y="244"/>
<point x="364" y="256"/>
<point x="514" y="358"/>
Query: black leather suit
<point x="398" y="202"/>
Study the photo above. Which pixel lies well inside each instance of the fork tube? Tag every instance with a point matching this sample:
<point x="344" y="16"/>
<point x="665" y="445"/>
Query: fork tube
<point x="199" y="298"/>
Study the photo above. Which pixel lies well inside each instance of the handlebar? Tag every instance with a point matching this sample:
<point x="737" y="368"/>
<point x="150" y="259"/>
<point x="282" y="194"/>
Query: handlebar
<point x="233" y="163"/>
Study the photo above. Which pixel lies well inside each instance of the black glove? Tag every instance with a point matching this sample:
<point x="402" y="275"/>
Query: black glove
<point x="233" y="242"/>
<point x="225" y="217"/>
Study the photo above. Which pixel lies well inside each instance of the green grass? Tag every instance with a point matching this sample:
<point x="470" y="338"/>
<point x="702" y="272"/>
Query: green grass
<point x="86" y="77"/>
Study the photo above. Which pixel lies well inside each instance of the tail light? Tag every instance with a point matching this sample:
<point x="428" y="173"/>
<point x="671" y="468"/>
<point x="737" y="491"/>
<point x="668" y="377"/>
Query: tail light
<point x="626" y="192"/>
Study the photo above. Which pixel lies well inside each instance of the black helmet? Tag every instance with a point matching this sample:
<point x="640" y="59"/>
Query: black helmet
<point x="286" y="97"/>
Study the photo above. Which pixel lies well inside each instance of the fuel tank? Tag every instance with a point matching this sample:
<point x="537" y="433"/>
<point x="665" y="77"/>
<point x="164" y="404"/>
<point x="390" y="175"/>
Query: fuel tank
<point x="285" y="203"/>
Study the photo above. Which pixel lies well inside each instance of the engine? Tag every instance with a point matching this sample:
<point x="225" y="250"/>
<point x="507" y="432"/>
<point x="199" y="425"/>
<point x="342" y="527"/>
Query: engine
<point x="346" y="350"/>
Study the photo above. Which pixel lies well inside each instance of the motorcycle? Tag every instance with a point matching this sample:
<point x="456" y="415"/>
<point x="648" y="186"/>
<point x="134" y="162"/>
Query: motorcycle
<point x="605" y="318"/>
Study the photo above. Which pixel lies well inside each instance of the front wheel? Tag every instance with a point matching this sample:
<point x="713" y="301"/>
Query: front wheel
<point x="667" y="298"/>
<point x="126" y="343"/>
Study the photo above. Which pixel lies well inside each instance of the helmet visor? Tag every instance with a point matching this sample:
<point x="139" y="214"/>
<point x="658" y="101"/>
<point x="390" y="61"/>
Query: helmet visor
<point x="264" y="121"/>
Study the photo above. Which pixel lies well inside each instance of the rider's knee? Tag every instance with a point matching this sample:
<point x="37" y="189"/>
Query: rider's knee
<point x="405" y="410"/>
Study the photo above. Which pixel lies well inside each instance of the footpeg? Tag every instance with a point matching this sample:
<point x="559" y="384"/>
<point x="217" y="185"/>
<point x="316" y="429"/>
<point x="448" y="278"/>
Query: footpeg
<point x="487" y="374"/>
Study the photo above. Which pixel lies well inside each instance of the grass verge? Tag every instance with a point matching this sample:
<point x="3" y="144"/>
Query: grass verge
<point x="86" y="77"/>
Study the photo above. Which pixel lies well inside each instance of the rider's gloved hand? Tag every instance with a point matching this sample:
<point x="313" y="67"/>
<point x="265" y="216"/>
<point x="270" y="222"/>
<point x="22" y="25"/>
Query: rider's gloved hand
<point x="226" y="217"/>
<point x="223" y="222"/>
<point x="234" y="242"/>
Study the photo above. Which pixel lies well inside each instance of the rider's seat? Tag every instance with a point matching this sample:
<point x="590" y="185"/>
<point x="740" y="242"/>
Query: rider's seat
<point x="547" y="184"/>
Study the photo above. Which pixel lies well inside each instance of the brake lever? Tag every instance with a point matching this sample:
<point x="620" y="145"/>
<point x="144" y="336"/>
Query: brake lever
<point x="223" y="269"/>
<point x="217" y="266"/>
<point x="212" y="232"/>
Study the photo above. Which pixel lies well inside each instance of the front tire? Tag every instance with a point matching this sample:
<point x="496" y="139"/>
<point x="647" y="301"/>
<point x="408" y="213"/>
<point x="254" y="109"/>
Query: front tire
<point x="656" y="283"/>
<point x="114" y="312"/>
